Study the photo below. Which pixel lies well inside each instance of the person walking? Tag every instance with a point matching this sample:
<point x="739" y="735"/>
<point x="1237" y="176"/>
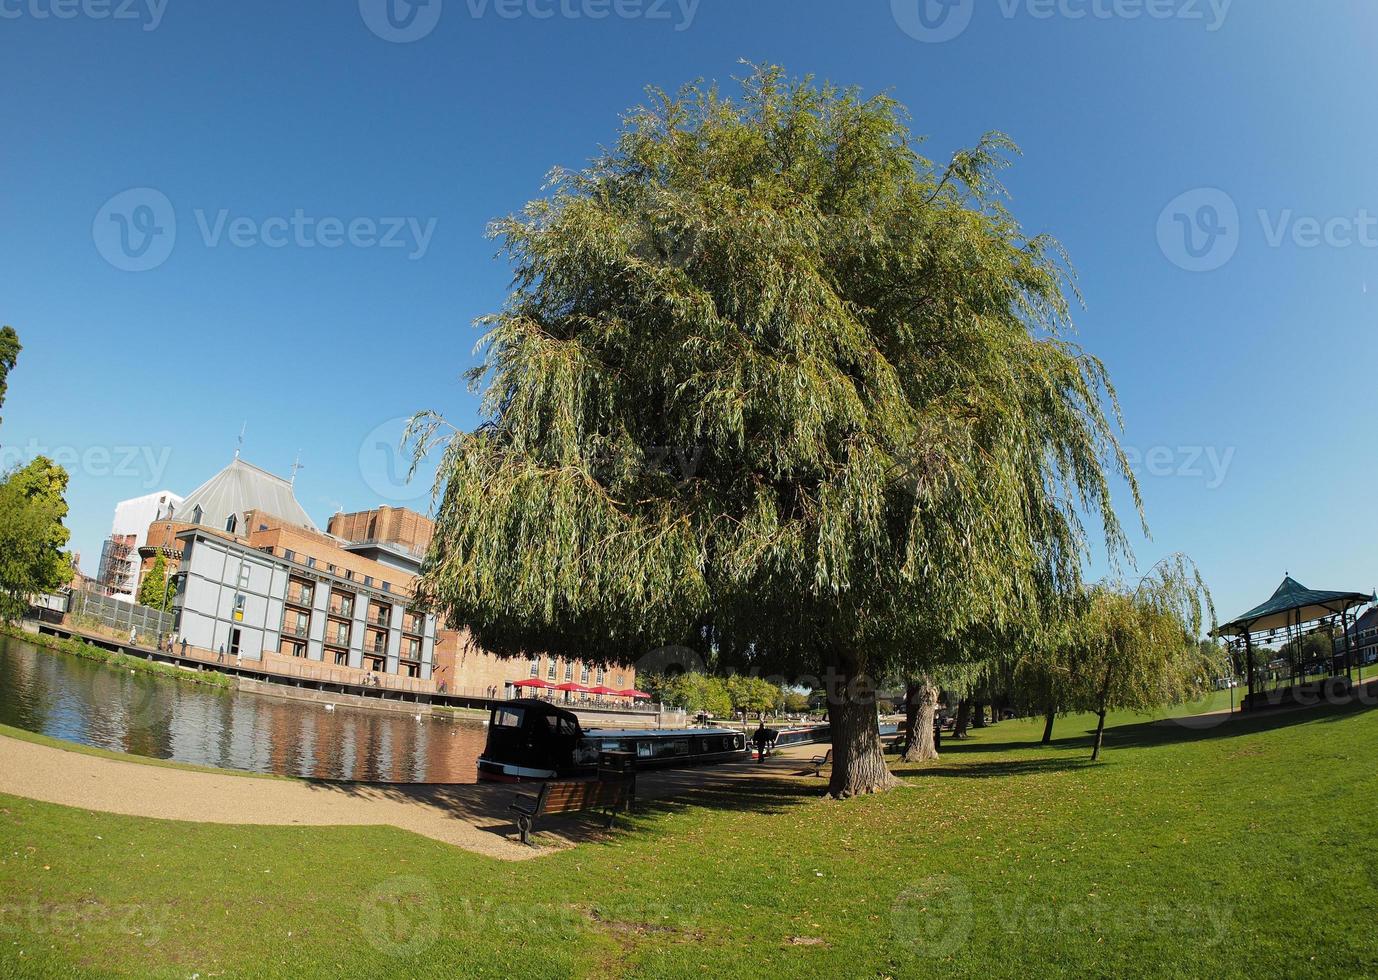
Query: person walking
<point x="220" y="657"/>
<point x="133" y="635"/>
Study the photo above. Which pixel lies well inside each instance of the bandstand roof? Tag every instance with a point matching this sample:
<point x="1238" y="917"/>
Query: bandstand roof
<point x="1292" y="603"/>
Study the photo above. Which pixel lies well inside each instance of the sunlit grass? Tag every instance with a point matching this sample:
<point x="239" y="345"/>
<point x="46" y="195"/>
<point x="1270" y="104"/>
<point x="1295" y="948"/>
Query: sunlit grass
<point x="1240" y="849"/>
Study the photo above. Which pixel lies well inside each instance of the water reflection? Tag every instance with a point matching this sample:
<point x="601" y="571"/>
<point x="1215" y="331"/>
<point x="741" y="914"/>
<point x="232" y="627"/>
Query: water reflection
<point x="65" y="697"/>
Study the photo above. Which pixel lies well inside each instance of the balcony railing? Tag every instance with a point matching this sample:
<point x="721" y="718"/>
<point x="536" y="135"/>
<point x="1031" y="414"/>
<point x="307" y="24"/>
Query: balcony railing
<point x="299" y="597"/>
<point x="292" y="629"/>
<point x="340" y="638"/>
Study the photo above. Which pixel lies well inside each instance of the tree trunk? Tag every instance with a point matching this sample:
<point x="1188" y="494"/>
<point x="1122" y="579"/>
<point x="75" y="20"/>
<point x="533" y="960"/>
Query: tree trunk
<point x="858" y="758"/>
<point x="911" y="713"/>
<point x="978" y="715"/>
<point x="1100" y="735"/>
<point x="922" y="746"/>
<point x="959" y="727"/>
<point x="994" y="712"/>
<point x="1048" y="718"/>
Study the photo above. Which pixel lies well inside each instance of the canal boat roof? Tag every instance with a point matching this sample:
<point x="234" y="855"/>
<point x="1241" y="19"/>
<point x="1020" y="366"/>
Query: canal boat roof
<point x="655" y="732"/>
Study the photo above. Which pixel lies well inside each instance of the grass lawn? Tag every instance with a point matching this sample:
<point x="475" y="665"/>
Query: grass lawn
<point x="1247" y="849"/>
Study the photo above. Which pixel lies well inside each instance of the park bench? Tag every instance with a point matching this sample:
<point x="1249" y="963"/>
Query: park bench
<point x="571" y="796"/>
<point x="819" y="761"/>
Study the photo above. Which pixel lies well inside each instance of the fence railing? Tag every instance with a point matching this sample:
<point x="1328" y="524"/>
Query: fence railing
<point x="94" y="609"/>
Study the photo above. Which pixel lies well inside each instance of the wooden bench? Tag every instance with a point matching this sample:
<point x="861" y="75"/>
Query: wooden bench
<point x="570" y="796"/>
<point x="819" y="761"/>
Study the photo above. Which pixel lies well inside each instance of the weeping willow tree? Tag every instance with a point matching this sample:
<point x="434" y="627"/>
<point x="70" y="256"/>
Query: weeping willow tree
<point x="1136" y="649"/>
<point x="773" y="385"/>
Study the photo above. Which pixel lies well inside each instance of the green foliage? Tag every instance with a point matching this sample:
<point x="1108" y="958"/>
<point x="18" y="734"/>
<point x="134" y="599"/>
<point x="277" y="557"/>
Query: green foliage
<point x="156" y="589"/>
<point x="692" y="691"/>
<point x="1308" y="649"/>
<point x="860" y="353"/>
<point x="32" y="535"/>
<point x="796" y="702"/>
<point x="1135" y="649"/>
<point x="9" y="355"/>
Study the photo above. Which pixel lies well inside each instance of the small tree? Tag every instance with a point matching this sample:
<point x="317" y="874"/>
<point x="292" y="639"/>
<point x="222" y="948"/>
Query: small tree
<point x="154" y="590"/>
<point x="1138" y="649"/>
<point x="32" y="536"/>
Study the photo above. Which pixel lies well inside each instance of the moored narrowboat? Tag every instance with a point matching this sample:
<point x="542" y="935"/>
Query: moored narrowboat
<point x="531" y="740"/>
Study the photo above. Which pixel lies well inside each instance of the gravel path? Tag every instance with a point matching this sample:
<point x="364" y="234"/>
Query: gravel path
<point x="41" y="772"/>
<point x="474" y="817"/>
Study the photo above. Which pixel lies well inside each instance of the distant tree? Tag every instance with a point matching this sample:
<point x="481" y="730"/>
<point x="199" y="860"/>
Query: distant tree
<point x="1137" y="649"/>
<point x="32" y="535"/>
<point x="156" y="588"/>
<point x="796" y="702"/>
<point x="753" y="694"/>
<point x="9" y="355"/>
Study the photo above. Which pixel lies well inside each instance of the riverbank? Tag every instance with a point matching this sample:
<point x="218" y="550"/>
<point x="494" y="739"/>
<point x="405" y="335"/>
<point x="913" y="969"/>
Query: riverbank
<point x="1216" y="852"/>
<point x="75" y="647"/>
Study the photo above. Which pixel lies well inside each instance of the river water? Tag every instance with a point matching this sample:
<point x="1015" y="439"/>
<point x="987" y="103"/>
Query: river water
<point x="66" y="697"/>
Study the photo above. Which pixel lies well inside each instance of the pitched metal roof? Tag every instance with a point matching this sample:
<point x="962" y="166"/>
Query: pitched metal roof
<point x="239" y="487"/>
<point x="1292" y="603"/>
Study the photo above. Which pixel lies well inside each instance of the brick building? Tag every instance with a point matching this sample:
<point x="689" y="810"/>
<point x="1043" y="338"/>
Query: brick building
<point x="257" y="577"/>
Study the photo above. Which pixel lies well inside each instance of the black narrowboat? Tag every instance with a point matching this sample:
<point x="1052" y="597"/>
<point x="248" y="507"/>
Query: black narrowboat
<point x="530" y="739"/>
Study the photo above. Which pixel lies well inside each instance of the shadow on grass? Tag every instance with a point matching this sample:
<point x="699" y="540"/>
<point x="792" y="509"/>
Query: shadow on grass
<point x="1149" y="732"/>
<point x="744" y="787"/>
<point x="783" y="783"/>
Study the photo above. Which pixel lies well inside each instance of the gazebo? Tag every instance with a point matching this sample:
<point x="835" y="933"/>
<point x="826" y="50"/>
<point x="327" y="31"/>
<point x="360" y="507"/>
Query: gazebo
<point x="1291" y="608"/>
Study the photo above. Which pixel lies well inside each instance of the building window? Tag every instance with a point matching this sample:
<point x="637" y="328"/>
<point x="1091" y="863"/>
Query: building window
<point x="368" y="579"/>
<point x="234" y="642"/>
<point x="387" y="586"/>
<point x="349" y="574"/>
<point x="289" y="554"/>
<point x="584" y="675"/>
<point x="550" y="670"/>
<point x="341" y="658"/>
<point x="413" y="670"/>
<point x="243" y="575"/>
<point x="569" y="671"/>
<point x="601" y="677"/>
<point x="620" y="680"/>
<point x="239" y="608"/>
<point x="231" y="523"/>
<point x="535" y="666"/>
<point x="310" y="563"/>
<point x="330" y="568"/>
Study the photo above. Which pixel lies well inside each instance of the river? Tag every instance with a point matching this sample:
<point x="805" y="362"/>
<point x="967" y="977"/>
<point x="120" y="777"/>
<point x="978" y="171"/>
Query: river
<point x="82" y="701"/>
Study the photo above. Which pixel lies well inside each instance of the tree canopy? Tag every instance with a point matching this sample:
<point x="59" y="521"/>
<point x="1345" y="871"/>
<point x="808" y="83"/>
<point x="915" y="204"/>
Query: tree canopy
<point x="156" y="589"/>
<point x="773" y="385"/>
<point x="32" y="536"/>
<point x="9" y="356"/>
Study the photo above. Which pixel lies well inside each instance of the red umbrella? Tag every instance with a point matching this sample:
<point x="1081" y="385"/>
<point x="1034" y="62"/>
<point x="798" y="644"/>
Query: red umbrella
<point x="600" y="689"/>
<point x="531" y="682"/>
<point x="634" y="693"/>
<point x="570" y="686"/>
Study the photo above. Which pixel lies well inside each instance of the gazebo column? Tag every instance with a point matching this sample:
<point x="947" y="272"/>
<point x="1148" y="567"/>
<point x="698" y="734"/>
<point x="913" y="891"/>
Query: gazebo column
<point x="1349" y="657"/>
<point x="1249" y="662"/>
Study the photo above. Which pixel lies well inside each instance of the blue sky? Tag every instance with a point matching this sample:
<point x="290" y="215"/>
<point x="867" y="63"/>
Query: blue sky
<point x="1245" y="383"/>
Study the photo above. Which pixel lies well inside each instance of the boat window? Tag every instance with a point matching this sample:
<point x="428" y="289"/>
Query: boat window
<point x="508" y="718"/>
